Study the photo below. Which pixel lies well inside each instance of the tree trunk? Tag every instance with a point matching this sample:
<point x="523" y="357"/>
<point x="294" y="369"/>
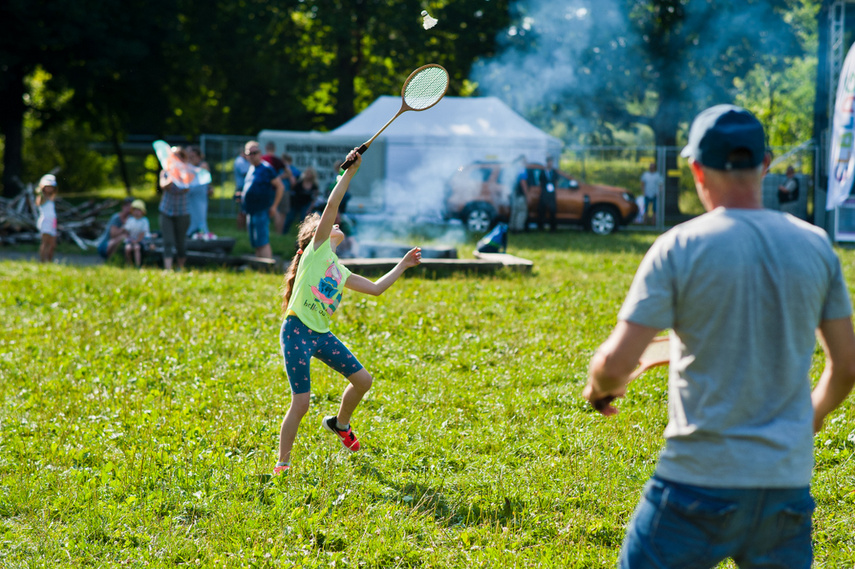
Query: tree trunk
<point x="348" y="60"/>
<point x="665" y="125"/>
<point x="12" y="126"/>
<point x="117" y="148"/>
<point x="344" y="97"/>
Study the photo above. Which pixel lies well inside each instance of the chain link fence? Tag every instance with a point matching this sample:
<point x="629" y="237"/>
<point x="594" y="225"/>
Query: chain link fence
<point x="678" y="201"/>
<point x="621" y="167"/>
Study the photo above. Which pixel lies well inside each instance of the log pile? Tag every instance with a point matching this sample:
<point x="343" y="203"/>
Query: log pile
<point x="76" y="223"/>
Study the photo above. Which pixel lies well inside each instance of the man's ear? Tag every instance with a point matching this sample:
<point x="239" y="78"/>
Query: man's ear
<point x="767" y="160"/>
<point x="697" y="171"/>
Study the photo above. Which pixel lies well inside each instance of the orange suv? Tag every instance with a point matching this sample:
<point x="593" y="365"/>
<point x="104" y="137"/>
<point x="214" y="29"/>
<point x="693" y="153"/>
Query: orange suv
<point x="480" y="195"/>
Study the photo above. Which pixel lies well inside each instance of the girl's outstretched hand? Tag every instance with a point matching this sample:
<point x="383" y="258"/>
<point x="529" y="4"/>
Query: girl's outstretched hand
<point x="412" y="258"/>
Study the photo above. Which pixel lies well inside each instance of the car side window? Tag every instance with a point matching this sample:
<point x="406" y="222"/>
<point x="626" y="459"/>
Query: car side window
<point x="567" y="183"/>
<point x="506" y="177"/>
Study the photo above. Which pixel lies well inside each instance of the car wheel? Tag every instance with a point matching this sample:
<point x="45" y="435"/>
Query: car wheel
<point x="603" y="220"/>
<point x="478" y="218"/>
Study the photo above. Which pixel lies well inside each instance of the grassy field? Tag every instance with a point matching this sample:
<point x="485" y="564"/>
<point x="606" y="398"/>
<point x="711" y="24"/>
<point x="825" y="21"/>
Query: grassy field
<point x="140" y="415"/>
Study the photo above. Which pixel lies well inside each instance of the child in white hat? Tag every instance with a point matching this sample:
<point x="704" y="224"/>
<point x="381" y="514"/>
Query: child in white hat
<point x="138" y="229"/>
<point x="45" y="195"/>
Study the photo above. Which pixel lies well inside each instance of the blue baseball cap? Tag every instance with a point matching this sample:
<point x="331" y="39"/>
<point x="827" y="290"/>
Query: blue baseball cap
<point x="719" y="131"/>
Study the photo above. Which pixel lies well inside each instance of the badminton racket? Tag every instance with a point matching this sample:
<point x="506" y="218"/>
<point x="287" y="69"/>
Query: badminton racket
<point x="657" y="353"/>
<point x="423" y="89"/>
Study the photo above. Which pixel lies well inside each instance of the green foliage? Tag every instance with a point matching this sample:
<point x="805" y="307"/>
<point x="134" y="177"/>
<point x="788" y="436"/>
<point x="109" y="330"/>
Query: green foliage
<point x="64" y="146"/>
<point x="51" y="141"/>
<point x="140" y="411"/>
<point x="779" y="99"/>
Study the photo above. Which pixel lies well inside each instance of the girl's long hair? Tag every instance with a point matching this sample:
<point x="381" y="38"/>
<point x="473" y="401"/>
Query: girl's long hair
<point x="304" y="236"/>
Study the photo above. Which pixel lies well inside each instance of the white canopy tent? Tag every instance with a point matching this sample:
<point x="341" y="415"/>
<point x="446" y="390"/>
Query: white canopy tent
<point x="424" y="149"/>
<point x="407" y="167"/>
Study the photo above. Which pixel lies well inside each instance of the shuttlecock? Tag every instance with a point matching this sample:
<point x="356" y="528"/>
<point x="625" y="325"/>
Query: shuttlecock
<point x="428" y="22"/>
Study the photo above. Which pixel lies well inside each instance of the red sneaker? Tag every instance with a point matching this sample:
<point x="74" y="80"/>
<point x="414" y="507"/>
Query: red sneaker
<point x="280" y="469"/>
<point x="347" y="438"/>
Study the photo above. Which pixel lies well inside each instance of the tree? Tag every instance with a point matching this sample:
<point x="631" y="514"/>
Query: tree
<point x="189" y="67"/>
<point x="621" y="63"/>
<point x="99" y="50"/>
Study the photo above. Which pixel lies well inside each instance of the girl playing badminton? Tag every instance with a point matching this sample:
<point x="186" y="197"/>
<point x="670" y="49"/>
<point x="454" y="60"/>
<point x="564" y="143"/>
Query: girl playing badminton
<point x="314" y="283"/>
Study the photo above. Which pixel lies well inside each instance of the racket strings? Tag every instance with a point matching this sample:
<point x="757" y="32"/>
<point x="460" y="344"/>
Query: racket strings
<point x="426" y="88"/>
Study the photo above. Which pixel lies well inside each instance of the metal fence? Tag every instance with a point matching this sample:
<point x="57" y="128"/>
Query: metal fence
<point x="623" y="166"/>
<point x="619" y="166"/>
<point x="220" y="152"/>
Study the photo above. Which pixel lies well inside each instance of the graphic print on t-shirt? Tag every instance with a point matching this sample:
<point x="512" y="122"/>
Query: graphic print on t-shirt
<point x="327" y="290"/>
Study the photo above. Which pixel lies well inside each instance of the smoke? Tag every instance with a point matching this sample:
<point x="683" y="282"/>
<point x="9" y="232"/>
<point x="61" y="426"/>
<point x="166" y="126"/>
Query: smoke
<point x="546" y="57"/>
<point x="583" y="66"/>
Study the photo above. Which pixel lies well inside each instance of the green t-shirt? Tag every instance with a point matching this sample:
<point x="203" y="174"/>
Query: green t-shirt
<point x="318" y="287"/>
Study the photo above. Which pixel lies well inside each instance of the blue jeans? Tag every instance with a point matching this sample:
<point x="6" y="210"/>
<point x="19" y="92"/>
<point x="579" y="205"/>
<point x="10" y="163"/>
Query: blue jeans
<point x="258" y="225"/>
<point x="197" y="205"/>
<point x="648" y="202"/>
<point x="678" y="526"/>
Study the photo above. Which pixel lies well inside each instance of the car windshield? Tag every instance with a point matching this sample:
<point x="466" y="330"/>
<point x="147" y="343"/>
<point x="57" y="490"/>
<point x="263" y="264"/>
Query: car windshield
<point x="479" y="174"/>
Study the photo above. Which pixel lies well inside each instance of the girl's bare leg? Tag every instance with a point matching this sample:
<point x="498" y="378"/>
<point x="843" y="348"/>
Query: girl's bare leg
<point x="291" y="423"/>
<point x="47" y="248"/>
<point x="360" y="383"/>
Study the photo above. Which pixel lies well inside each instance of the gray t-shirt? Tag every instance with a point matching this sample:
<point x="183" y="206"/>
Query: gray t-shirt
<point x="743" y="292"/>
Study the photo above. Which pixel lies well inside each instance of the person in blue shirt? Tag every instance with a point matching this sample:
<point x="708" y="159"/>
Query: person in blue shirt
<point x="262" y="192"/>
<point x="114" y="234"/>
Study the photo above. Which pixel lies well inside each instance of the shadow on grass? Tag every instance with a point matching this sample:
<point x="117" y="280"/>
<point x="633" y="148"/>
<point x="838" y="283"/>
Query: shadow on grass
<point x="432" y="501"/>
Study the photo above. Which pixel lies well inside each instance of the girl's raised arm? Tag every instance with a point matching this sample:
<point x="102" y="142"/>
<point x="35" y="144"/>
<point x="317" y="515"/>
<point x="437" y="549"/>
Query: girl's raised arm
<point x="331" y="209"/>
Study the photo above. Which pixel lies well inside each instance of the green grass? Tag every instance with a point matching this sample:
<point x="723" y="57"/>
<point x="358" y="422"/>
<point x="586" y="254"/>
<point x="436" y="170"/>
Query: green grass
<point x="140" y="413"/>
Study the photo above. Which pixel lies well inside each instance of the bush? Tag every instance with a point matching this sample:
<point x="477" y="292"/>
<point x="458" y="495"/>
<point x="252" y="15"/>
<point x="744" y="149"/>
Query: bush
<point x="66" y="146"/>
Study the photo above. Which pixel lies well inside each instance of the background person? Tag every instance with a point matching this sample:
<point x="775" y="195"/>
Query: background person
<point x="789" y="190"/>
<point x="546" y="205"/>
<point x="733" y="478"/>
<point x="519" y="196"/>
<point x="289" y="177"/>
<point x="651" y="185"/>
<point x="137" y="229"/>
<point x="271" y="158"/>
<point x="303" y="195"/>
<point x="174" y="217"/>
<point x="197" y="197"/>
<point x="114" y="234"/>
<point x="47" y="224"/>
<point x="313" y="289"/>
<point x="262" y="192"/>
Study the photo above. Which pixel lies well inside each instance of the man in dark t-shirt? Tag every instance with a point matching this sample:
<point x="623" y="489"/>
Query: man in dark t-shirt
<point x="262" y="192"/>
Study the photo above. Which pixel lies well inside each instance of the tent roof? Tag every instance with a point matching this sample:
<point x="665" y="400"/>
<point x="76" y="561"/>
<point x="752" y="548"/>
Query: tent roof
<point x="451" y="117"/>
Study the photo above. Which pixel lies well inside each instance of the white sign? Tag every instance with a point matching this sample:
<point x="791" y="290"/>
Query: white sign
<point x="842" y="166"/>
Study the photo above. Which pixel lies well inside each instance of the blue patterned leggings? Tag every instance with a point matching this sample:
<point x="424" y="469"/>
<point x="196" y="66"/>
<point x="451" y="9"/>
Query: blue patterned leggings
<point x="299" y="344"/>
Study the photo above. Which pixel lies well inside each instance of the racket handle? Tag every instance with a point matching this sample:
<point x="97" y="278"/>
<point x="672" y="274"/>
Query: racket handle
<point x="348" y="163"/>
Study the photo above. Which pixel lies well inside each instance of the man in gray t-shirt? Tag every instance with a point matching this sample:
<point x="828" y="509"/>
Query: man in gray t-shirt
<point x="743" y="290"/>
